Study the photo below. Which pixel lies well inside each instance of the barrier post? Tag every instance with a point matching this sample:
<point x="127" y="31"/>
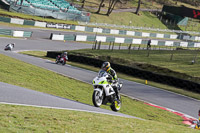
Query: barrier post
<point x="119" y="46"/>
<point x="129" y="49"/>
<point x="113" y="46"/>
<point x="95" y="45"/>
<point x="110" y="45"/>
<point x="172" y="55"/>
<point x="139" y="47"/>
<point x="99" y="45"/>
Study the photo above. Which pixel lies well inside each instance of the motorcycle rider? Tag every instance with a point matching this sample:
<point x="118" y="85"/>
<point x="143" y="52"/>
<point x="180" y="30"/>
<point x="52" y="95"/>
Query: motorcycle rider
<point x="10" y="45"/>
<point x="198" y="122"/>
<point x="113" y="79"/>
<point x="63" y="55"/>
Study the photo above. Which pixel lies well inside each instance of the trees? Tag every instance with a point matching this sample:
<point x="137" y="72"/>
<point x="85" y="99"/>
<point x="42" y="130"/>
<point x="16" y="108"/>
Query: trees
<point x="138" y="7"/>
<point x="100" y="5"/>
<point x="111" y="6"/>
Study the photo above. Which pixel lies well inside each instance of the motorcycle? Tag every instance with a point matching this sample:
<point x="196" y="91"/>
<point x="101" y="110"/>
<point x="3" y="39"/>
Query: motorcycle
<point x="8" y="47"/>
<point x="197" y="126"/>
<point x="104" y="92"/>
<point x="61" y="60"/>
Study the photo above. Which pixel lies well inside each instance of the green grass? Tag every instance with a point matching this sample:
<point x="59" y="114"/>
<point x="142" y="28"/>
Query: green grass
<point x="181" y="60"/>
<point x="42" y="54"/>
<point x="18" y="73"/>
<point x="32" y="119"/>
<point x="146" y="19"/>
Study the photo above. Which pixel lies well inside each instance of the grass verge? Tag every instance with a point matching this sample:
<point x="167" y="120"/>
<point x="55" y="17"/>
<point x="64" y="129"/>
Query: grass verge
<point x="42" y="54"/>
<point x="32" y="119"/>
<point x="25" y="75"/>
<point x="179" y="61"/>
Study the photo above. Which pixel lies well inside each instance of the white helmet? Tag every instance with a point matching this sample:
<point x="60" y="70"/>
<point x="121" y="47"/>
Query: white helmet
<point x="65" y="53"/>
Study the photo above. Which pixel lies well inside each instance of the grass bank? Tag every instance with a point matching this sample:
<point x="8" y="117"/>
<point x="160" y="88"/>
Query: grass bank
<point x="42" y="54"/>
<point x="18" y="73"/>
<point x="31" y="119"/>
<point x="170" y="62"/>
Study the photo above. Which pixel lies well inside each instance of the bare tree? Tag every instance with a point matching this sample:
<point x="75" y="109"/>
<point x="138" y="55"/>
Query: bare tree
<point x="112" y="4"/>
<point x="100" y="5"/>
<point x="83" y="4"/>
<point x="138" y="7"/>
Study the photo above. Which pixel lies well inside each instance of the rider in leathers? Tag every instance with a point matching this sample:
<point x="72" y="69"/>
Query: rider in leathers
<point x="106" y="67"/>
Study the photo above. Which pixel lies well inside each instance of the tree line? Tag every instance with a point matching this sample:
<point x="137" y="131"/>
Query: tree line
<point x="112" y="4"/>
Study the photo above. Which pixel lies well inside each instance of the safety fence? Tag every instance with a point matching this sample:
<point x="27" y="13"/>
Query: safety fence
<point x="93" y="38"/>
<point x="96" y="30"/>
<point x="146" y="75"/>
<point x="15" y="33"/>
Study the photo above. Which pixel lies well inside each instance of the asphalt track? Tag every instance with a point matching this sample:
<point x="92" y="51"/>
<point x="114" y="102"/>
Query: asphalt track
<point x="150" y="94"/>
<point x="45" y="33"/>
<point x="22" y="96"/>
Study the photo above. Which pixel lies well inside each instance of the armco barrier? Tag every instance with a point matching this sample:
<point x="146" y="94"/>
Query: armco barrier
<point x="15" y="33"/>
<point x="146" y="75"/>
<point x="183" y="36"/>
<point x="92" y="38"/>
<point x="27" y="34"/>
<point x="5" y="32"/>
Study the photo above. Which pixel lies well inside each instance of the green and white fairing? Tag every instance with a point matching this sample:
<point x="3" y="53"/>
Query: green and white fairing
<point x="101" y="82"/>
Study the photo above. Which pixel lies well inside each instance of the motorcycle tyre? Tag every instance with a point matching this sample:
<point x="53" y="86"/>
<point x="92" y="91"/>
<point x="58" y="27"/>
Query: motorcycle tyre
<point x="63" y="63"/>
<point x="115" y="106"/>
<point x="94" y="99"/>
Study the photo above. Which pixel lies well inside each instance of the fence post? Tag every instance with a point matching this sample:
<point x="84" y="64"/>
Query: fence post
<point x="113" y="45"/>
<point x="99" y="45"/>
<point x="129" y="49"/>
<point x="139" y="47"/>
<point x="148" y="52"/>
<point x="172" y="55"/>
<point x="95" y="44"/>
<point x="110" y="45"/>
<point x="119" y="46"/>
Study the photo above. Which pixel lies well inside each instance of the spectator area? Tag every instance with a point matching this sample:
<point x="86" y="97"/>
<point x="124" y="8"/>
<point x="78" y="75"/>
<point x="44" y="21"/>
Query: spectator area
<point x="56" y="5"/>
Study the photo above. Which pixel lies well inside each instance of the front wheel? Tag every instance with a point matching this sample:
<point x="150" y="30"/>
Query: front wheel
<point x="97" y="98"/>
<point x="116" y="105"/>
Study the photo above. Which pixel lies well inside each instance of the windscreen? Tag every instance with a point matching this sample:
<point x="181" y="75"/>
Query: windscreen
<point x="102" y="73"/>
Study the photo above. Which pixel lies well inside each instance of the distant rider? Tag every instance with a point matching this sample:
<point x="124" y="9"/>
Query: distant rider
<point x="106" y="67"/>
<point x="10" y="46"/>
<point x="198" y="122"/>
<point x="63" y="55"/>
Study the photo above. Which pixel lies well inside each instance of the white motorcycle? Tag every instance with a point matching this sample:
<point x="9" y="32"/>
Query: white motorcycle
<point x="9" y="47"/>
<point x="104" y="92"/>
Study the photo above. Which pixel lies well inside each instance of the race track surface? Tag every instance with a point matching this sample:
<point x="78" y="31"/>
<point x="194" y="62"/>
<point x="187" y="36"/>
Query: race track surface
<point x="18" y="95"/>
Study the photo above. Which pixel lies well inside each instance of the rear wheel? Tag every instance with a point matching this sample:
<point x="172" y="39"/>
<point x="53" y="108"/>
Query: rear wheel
<point x="63" y="63"/>
<point x="97" y="98"/>
<point x="56" y="60"/>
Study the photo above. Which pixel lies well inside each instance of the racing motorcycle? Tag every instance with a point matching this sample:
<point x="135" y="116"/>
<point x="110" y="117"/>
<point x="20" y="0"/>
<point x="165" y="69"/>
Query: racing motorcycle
<point x="197" y="126"/>
<point x="104" y="92"/>
<point x="9" y="47"/>
<point x="61" y="60"/>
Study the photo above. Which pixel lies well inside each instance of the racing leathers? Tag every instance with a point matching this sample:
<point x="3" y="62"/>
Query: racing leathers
<point x="114" y="80"/>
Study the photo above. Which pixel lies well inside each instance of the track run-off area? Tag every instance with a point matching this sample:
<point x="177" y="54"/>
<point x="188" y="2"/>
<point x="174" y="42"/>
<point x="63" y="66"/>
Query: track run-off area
<point x="40" y="41"/>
